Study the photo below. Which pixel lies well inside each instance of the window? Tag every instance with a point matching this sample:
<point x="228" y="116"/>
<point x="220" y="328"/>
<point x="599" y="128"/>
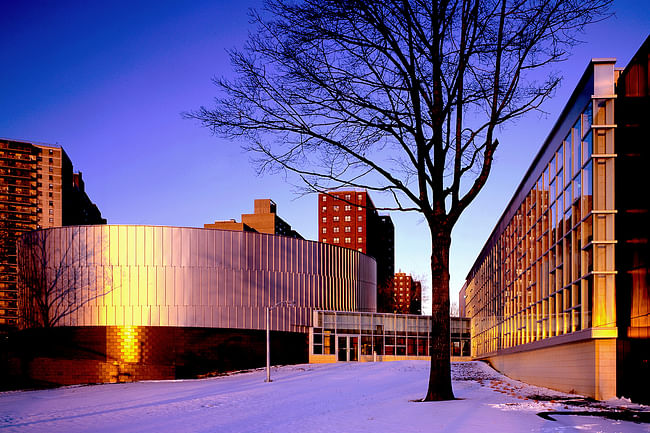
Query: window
<point x="360" y="229"/>
<point x="324" y="240"/>
<point x="360" y="197"/>
<point x="347" y="197"/>
<point x="335" y="219"/>
<point x="335" y="229"/>
<point x="359" y="240"/>
<point x="348" y="240"/>
<point x="51" y="203"/>
<point x="360" y="250"/>
<point x="324" y="230"/>
<point x="347" y="218"/>
<point x="324" y="219"/>
<point x="348" y="207"/>
<point x="51" y="186"/>
<point x="336" y="240"/>
<point x="51" y="211"/>
<point x="50" y="194"/>
<point x="51" y="220"/>
<point x="324" y="208"/>
<point x="359" y="218"/>
<point x="359" y="208"/>
<point x="51" y="151"/>
<point x="324" y="198"/>
<point x="348" y="229"/>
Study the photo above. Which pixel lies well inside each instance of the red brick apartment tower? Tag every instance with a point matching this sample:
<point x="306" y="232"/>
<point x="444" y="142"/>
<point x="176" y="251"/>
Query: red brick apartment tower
<point x="407" y="294"/>
<point x="349" y="219"/>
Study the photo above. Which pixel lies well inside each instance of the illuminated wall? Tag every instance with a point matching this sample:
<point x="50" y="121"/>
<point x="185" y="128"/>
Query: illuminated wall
<point x="545" y="280"/>
<point x="135" y="276"/>
<point x="558" y="296"/>
<point x="548" y="268"/>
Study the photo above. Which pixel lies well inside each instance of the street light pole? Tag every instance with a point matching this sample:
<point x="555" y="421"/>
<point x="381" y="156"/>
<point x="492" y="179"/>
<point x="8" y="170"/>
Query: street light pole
<point x="268" y="335"/>
<point x="268" y="344"/>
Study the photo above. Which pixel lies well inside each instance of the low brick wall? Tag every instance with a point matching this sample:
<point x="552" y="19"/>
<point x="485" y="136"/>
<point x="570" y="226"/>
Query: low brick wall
<point x="99" y="354"/>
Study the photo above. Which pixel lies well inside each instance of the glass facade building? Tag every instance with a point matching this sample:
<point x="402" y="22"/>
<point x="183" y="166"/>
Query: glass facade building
<point x="548" y="281"/>
<point x="347" y="336"/>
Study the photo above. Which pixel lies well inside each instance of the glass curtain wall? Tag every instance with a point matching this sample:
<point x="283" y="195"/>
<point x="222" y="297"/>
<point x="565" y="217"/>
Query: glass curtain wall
<point x="383" y="334"/>
<point x="550" y="272"/>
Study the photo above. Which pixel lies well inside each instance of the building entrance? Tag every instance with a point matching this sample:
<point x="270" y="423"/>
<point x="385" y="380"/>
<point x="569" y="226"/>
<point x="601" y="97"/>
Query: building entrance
<point x="348" y="347"/>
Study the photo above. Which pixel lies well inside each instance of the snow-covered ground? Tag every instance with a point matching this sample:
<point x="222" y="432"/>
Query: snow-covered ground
<point x="344" y="397"/>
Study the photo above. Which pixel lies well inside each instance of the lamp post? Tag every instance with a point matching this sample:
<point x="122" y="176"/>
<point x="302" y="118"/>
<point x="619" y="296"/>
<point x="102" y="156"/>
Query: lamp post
<point x="268" y="335"/>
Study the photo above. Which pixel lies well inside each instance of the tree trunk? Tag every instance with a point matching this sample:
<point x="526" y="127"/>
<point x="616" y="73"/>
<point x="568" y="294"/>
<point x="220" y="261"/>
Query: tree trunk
<point x="439" y="347"/>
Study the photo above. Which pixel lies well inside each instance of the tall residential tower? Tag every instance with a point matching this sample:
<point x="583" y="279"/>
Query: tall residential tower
<point x="349" y="219"/>
<point x="38" y="189"/>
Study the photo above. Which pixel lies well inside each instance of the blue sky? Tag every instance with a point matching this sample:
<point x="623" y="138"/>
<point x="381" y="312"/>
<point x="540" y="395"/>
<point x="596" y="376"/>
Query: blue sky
<point x="108" y="81"/>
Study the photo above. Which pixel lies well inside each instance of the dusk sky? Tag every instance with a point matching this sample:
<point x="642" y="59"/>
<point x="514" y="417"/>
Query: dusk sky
<point x="108" y="82"/>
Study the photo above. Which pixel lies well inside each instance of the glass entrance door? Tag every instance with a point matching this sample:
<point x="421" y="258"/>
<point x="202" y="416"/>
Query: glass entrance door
<point x="348" y="348"/>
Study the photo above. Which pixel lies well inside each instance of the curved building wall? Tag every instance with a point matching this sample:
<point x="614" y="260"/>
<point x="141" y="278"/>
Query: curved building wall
<point x="191" y="277"/>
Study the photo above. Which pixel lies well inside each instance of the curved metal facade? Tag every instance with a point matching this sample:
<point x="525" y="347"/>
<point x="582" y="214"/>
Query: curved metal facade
<point x="191" y="277"/>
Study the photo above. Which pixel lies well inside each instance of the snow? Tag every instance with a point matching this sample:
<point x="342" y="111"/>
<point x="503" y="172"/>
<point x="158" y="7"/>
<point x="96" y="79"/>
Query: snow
<point x="342" y="397"/>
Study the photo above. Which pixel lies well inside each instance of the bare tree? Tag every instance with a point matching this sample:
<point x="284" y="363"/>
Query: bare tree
<point x="398" y="96"/>
<point x="50" y="281"/>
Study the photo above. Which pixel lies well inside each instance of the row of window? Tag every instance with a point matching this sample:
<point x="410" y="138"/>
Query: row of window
<point x="347" y="197"/>
<point x="337" y="240"/>
<point x="337" y="208"/>
<point x="346" y="218"/>
<point x="348" y="229"/>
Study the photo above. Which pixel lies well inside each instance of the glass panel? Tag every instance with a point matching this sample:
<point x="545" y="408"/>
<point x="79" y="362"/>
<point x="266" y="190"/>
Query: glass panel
<point x="567" y="157"/>
<point x="379" y="345"/>
<point x="366" y="345"/>
<point x="353" y="349"/>
<point x="411" y="347"/>
<point x="587" y="147"/>
<point x="587" y="188"/>
<point x="552" y="192"/>
<point x="329" y="344"/>
<point x="423" y="347"/>
<point x="576" y="139"/>
<point x="343" y="349"/>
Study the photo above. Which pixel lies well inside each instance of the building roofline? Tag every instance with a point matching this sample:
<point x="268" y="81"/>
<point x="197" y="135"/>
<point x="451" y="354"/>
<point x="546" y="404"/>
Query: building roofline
<point x="202" y="228"/>
<point x="35" y="143"/>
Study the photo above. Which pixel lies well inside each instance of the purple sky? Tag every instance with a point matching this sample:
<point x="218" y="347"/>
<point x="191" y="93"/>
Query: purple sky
<point x="108" y="81"/>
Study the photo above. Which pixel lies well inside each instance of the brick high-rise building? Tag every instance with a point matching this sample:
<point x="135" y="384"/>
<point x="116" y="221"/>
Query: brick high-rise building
<point x="349" y="219"/>
<point x="407" y="294"/>
<point x="38" y="189"/>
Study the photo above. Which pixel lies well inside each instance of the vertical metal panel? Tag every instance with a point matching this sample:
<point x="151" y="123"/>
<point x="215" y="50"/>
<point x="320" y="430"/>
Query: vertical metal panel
<point x="209" y="277"/>
<point x="139" y="246"/>
<point x="177" y="246"/>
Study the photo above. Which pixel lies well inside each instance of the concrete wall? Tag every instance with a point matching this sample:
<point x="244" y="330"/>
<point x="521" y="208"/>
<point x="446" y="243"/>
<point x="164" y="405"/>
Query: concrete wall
<point x="586" y="367"/>
<point x="96" y="354"/>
